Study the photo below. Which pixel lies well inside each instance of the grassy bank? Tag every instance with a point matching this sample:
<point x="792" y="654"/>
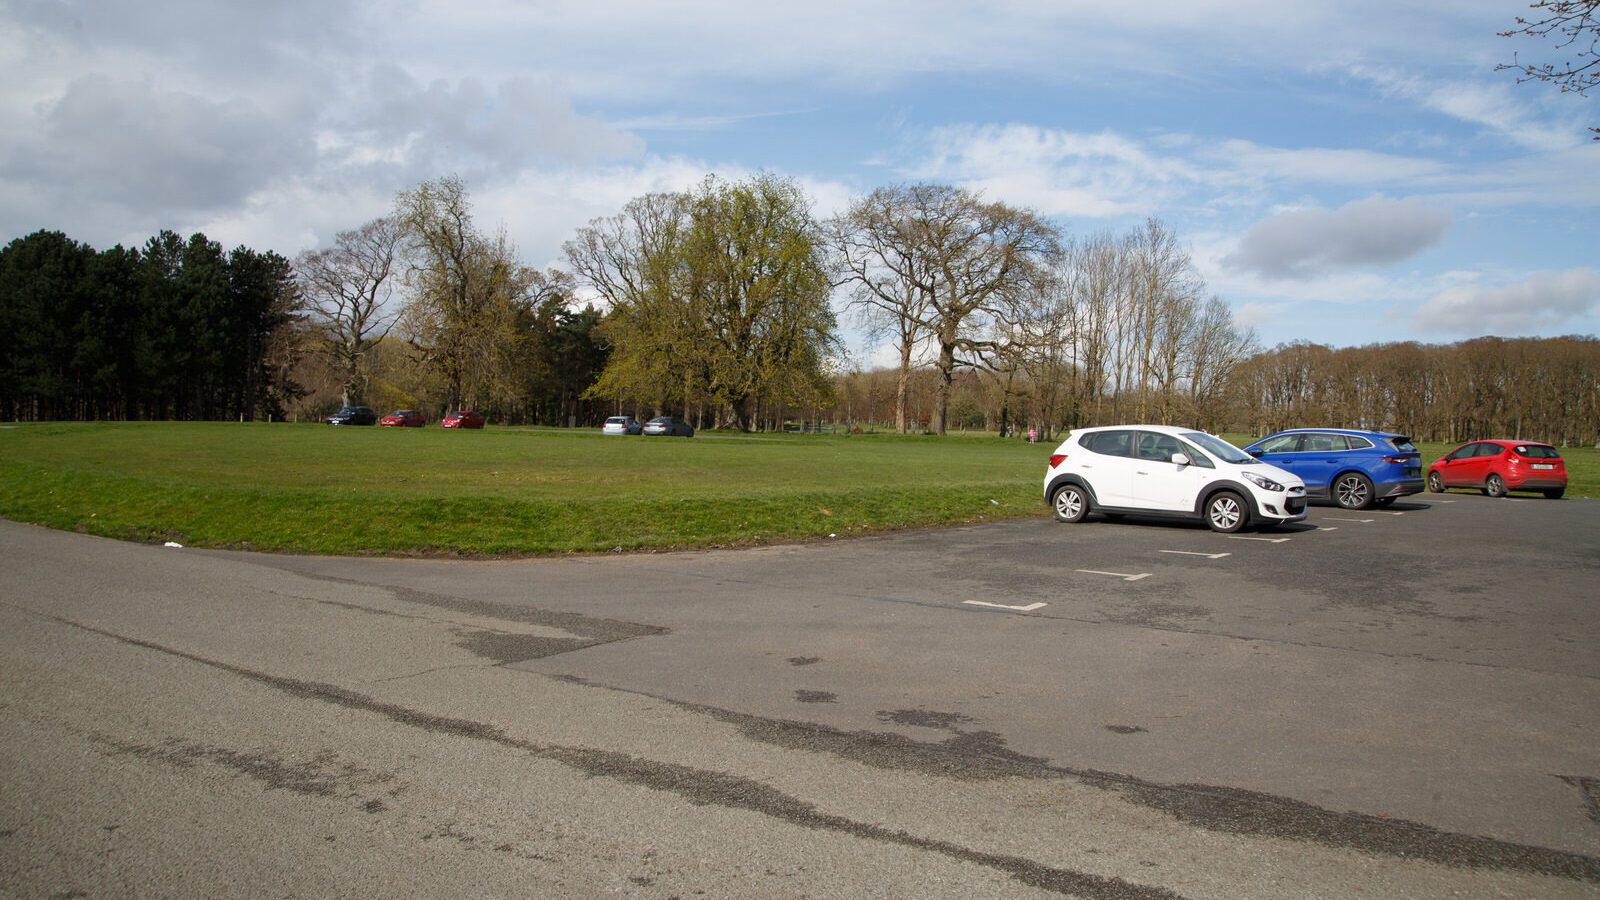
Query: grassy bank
<point x="509" y="491"/>
<point x="316" y="489"/>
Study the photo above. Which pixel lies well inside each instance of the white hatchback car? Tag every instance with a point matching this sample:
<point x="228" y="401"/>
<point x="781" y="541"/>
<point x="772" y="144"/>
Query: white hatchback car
<point x="1158" y="470"/>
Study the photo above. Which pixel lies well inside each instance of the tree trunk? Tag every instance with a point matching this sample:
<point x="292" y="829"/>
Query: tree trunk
<point x="941" y="398"/>
<point x="900" y="388"/>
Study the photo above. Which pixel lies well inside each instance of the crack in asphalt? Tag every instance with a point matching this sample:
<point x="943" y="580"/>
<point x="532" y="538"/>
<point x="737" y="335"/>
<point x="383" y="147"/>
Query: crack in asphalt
<point x="979" y="756"/>
<point x="1591" y="792"/>
<point x="323" y="775"/>
<point x="700" y="786"/>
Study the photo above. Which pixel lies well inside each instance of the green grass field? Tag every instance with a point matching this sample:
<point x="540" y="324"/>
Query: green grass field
<point x="509" y="491"/>
<point x="501" y="491"/>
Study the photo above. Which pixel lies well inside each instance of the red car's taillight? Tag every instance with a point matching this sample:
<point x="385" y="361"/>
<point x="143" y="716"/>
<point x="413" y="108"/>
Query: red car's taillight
<point x="1056" y="459"/>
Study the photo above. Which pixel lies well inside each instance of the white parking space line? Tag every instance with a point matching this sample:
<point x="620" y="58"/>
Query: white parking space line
<point x="1198" y="553"/>
<point x="1384" y="512"/>
<point x="1241" y="537"/>
<point x="1123" y="575"/>
<point x="1443" y="501"/>
<point x="1329" y="528"/>
<point x="1337" y="519"/>
<point x="1029" y="608"/>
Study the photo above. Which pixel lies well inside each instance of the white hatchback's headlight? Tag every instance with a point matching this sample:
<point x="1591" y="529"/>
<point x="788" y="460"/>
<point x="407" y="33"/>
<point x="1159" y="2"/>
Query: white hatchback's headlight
<point x="1263" y="482"/>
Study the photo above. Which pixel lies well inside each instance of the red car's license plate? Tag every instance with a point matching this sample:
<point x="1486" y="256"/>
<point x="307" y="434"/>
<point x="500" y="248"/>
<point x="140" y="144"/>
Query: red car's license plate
<point x="1543" y="466"/>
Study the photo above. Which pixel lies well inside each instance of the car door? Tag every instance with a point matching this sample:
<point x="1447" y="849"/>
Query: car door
<point x="1490" y="459"/>
<point x="1457" y="466"/>
<point x="1162" y="484"/>
<point x="1109" y="467"/>
<point x="1318" y="460"/>
<point x="1283" y="451"/>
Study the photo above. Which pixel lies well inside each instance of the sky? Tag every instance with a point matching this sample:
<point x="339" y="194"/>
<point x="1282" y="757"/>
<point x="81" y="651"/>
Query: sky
<point x="1344" y="172"/>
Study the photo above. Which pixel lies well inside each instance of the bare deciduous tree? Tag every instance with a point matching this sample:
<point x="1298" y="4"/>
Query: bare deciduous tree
<point x="348" y="286"/>
<point x="887" y="275"/>
<point x="973" y="263"/>
<point x="1576" y="25"/>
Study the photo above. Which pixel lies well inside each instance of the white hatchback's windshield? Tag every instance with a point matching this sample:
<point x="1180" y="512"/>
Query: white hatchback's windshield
<point x="1220" y="448"/>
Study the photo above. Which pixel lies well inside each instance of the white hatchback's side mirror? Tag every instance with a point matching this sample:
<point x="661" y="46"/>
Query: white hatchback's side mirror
<point x="1181" y="459"/>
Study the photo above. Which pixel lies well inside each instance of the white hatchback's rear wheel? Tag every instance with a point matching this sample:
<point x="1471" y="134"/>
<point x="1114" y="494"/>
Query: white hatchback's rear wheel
<point x="1070" y="503"/>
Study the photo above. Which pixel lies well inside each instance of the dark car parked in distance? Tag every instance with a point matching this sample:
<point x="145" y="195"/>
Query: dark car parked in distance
<point x="353" y="415"/>
<point x="1496" y="467"/>
<point x="1355" y="469"/>
<point x="670" y="426"/>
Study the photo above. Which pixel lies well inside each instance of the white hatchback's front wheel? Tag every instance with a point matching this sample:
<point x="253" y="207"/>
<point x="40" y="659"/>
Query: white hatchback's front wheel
<point x="1070" y="504"/>
<point x="1225" y="512"/>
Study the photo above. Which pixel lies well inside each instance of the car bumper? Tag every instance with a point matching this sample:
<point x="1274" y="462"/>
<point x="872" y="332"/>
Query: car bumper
<point x="1532" y="482"/>
<point x="1281" y="507"/>
<point x="1402" y="488"/>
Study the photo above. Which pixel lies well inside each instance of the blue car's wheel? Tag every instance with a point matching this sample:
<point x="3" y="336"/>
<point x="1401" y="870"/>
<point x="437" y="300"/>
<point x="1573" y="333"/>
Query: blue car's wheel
<point x="1352" y="490"/>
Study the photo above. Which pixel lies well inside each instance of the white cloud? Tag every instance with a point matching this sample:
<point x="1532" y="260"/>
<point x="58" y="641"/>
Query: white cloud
<point x="469" y="127"/>
<point x="109" y="153"/>
<point x="1319" y="165"/>
<point x="1504" y="108"/>
<point x="1543" y="303"/>
<point x="1249" y="315"/>
<point x="1059" y="173"/>
<point x="1303" y="243"/>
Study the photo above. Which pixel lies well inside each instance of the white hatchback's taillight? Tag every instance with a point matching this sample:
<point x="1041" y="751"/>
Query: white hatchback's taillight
<point x="1057" y="459"/>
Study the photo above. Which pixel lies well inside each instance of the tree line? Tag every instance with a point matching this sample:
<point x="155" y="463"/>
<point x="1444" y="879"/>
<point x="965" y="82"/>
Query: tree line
<point x="717" y="304"/>
<point x="177" y="329"/>
<point x="1535" y="388"/>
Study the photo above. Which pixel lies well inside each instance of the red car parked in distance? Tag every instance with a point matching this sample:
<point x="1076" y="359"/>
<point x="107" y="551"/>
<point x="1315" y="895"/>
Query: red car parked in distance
<point x="461" y="418"/>
<point x="403" y="418"/>
<point x="1496" y="467"/>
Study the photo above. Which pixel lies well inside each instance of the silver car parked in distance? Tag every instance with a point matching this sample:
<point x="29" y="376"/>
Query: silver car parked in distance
<point x="670" y="426"/>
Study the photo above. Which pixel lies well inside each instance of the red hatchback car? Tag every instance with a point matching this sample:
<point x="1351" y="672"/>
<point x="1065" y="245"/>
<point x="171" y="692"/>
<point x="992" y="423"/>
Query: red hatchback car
<point x="403" y="418"/>
<point x="1495" y="467"/>
<point x="461" y="418"/>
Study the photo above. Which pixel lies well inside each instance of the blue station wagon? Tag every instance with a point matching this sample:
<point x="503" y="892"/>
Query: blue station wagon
<point x="1355" y="469"/>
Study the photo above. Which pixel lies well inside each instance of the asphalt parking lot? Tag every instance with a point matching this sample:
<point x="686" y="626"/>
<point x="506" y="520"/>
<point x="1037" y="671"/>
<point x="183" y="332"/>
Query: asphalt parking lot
<point x="1390" y="702"/>
<point x="1433" y="660"/>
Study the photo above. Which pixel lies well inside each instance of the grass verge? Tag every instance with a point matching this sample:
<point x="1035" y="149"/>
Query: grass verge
<point x="512" y="492"/>
<point x="316" y="489"/>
